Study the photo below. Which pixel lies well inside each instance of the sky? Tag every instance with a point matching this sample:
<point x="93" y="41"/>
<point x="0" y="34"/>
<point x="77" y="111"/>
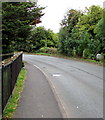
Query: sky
<point x="56" y="9"/>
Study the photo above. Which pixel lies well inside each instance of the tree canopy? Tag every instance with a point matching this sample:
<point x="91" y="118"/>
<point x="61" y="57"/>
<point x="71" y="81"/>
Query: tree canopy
<point x="40" y="37"/>
<point x="17" y="19"/>
<point x="83" y="33"/>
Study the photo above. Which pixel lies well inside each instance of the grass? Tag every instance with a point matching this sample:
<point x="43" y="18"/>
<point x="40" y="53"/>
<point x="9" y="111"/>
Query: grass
<point x="13" y="101"/>
<point x="100" y="63"/>
<point x="47" y="54"/>
<point x="73" y="58"/>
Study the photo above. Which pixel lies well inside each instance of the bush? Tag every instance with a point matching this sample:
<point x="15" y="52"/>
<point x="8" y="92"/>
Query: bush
<point x="52" y="50"/>
<point x="74" y="52"/>
<point x="43" y="50"/>
<point x="79" y="51"/>
<point x="48" y="50"/>
<point x="92" y="56"/>
<point x="86" y="53"/>
<point x="69" y="52"/>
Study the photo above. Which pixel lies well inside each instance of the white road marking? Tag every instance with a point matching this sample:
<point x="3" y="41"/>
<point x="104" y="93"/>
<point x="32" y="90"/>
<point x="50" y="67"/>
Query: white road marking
<point x="56" y="75"/>
<point x="37" y="67"/>
<point x="54" y="90"/>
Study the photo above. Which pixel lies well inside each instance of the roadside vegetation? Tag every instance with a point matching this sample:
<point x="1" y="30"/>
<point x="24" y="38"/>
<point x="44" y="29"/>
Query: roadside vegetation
<point x="98" y="62"/>
<point x="13" y="101"/>
<point x="82" y="33"/>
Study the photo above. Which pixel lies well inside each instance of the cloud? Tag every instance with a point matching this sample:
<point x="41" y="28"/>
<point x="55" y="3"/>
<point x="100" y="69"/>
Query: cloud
<point x="56" y="9"/>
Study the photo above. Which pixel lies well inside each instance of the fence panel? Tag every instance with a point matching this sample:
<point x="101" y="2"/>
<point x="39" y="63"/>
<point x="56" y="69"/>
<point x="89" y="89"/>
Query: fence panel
<point x="6" y="85"/>
<point x="10" y="73"/>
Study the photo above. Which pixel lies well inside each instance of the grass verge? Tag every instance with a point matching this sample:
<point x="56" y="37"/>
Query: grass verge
<point x="47" y="54"/>
<point x="71" y="58"/>
<point x="13" y="101"/>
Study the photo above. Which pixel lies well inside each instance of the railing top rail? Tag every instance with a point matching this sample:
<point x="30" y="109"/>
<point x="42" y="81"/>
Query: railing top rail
<point x="6" y="54"/>
<point x="10" y="60"/>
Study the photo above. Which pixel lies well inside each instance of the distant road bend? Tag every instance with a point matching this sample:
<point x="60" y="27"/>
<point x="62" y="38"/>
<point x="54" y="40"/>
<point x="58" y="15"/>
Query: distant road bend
<point x="79" y="85"/>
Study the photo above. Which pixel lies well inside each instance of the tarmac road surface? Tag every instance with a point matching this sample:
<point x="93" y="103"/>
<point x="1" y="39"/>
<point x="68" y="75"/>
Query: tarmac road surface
<point x="78" y="85"/>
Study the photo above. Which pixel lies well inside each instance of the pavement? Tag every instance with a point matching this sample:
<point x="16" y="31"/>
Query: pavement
<point x="37" y="99"/>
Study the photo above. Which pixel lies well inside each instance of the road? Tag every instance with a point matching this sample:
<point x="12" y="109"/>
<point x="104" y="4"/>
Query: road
<point x="78" y="85"/>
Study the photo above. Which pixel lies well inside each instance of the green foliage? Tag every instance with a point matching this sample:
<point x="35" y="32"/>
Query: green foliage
<point x="89" y="19"/>
<point x="17" y="18"/>
<point x="74" y="52"/>
<point x="52" y="50"/>
<point x="86" y="53"/>
<point x="43" y="50"/>
<point x="47" y="50"/>
<point x="100" y="34"/>
<point x="71" y="19"/>
<point x="82" y="34"/>
<point x="94" y="46"/>
<point x="41" y="37"/>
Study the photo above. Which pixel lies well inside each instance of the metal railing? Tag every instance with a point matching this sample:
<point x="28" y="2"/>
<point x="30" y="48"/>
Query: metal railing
<point x="6" y="56"/>
<point x="10" y="72"/>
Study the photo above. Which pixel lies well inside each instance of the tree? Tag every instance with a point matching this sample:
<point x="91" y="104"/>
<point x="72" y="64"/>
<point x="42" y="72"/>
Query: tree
<point x="89" y="19"/>
<point x="71" y="19"/>
<point x="40" y="37"/>
<point x="67" y="43"/>
<point x="17" y="20"/>
<point x="81" y="33"/>
<point x="100" y="33"/>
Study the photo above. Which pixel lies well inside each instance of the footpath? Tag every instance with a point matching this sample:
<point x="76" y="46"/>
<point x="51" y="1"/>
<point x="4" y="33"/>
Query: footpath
<point x="37" y="99"/>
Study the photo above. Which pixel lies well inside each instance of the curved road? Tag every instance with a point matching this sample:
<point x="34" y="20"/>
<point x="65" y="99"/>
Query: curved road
<point x="79" y="85"/>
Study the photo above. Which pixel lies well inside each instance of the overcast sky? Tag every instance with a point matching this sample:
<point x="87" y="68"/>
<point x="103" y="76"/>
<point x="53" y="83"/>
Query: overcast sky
<point x="55" y="10"/>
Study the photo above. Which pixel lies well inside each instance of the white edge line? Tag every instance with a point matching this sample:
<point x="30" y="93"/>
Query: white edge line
<point x="56" y="95"/>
